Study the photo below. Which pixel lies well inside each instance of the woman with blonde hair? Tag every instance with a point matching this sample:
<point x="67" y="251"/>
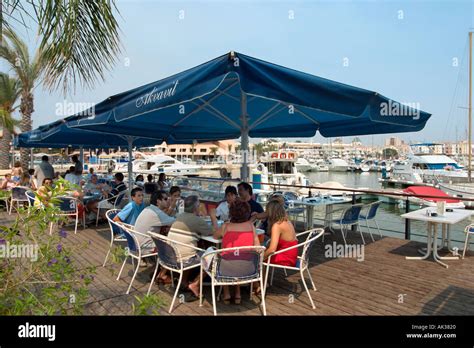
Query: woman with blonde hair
<point x="17" y="172"/>
<point x="282" y="235"/>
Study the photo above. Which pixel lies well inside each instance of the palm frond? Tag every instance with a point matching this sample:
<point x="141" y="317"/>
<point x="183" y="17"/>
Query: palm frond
<point x="80" y="41"/>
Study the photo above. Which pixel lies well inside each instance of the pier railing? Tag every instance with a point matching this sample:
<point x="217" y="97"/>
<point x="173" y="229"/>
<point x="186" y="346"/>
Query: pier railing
<point x="354" y="192"/>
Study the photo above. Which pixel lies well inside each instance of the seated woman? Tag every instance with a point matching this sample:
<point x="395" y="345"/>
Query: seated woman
<point x="17" y="172"/>
<point x="95" y="189"/>
<point x="140" y="180"/>
<point x="25" y="180"/>
<point x="7" y="182"/>
<point x="238" y="232"/>
<point x="282" y="236"/>
<point x="162" y="184"/>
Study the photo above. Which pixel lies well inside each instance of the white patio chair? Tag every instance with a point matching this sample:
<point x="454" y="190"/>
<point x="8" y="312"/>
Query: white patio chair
<point x="134" y="249"/>
<point x="469" y="231"/>
<point x="367" y="214"/>
<point x="349" y="217"/>
<point x="117" y="199"/>
<point x="302" y="261"/>
<point x="68" y="206"/>
<point x="234" y="266"/>
<point x="18" y="196"/>
<point x="6" y="196"/>
<point x="115" y="231"/>
<point x="169" y="257"/>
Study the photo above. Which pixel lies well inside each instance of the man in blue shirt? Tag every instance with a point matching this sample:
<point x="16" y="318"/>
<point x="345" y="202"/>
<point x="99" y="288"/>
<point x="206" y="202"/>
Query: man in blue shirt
<point x="130" y="212"/>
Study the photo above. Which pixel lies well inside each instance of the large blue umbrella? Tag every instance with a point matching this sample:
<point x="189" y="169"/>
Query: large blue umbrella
<point x="236" y="95"/>
<point x="58" y="135"/>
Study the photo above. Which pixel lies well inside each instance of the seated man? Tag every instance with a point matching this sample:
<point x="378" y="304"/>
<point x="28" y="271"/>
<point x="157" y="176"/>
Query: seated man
<point x="245" y="193"/>
<point x="72" y="177"/>
<point x="153" y="218"/>
<point x="119" y="187"/>
<point x="132" y="210"/>
<point x="187" y="229"/>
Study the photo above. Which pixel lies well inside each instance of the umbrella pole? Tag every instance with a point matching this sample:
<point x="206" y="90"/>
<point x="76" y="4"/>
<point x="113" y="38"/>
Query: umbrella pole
<point x="81" y="154"/>
<point x="130" y="168"/>
<point x="244" y="138"/>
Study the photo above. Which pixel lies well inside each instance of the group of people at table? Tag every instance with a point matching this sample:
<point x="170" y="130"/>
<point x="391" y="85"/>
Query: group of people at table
<point x="238" y="212"/>
<point x="232" y="221"/>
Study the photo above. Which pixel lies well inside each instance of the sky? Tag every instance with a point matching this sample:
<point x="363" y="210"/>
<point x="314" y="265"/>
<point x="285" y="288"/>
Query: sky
<point x="410" y="51"/>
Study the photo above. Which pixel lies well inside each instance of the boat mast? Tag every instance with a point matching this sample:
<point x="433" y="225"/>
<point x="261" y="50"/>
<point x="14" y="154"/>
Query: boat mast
<point x="470" y="108"/>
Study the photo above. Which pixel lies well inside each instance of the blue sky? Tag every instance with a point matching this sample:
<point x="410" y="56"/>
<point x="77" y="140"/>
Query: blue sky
<point x="401" y="49"/>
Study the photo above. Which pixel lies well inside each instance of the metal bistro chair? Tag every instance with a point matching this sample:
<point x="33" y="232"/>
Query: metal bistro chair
<point x="293" y="211"/>
<point x="234" y="266"/>
<point x="469" y="231"/>
<point x="18" y="195"/>
<point x="169" y="257"/>
<point x="68" y="206"/>
<point x="117" y="200"/>
<point x="115" y="232"/>
<point x="349" y="217"/>
<point x="134" y="249"/>
<point x="6" y="196"/>
<point x="368" y="213"/>
<point x="302" y="261"/>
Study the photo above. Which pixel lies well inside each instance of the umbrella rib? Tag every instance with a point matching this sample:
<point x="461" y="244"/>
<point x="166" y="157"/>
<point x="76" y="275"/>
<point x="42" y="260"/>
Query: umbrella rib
<point x="268" y="114"/>
<point x="220" y="115"/>
<point x="200" y="107"/>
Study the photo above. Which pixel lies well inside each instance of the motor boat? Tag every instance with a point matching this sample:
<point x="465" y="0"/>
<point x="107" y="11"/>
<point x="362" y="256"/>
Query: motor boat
<point x="338" y="165"/>
<point x="451" y="202"/>
<point x="157" y="164"/>
<point x="303" y="165"/>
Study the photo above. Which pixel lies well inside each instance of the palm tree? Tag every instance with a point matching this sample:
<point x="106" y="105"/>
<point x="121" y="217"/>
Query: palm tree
<point x="27" y="70"/>
<point x="9" y="93"/>
<point x="80" y="39"/>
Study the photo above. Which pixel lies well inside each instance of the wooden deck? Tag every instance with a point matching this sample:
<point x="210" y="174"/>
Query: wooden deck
<point x="374" y="286"/>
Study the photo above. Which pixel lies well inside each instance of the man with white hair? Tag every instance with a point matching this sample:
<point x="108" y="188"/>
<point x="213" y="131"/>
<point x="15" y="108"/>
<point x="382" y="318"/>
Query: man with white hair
<point x="187" y="229"/>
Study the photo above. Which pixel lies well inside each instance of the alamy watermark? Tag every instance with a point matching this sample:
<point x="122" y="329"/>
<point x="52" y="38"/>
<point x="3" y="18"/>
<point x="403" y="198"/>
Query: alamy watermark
<point x="392" y="108"/>
<point x="66" y="108"/>
<point x="19" y="251"/>
<point x="334" y="250"/>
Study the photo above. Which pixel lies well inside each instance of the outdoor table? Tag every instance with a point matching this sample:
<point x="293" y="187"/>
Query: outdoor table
<point x="312" y="202"/>
<point x="448" y="219"/>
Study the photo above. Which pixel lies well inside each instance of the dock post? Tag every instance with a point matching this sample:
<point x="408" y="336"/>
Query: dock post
<point x="353" y="227"/>
<point x="407" y="221"/>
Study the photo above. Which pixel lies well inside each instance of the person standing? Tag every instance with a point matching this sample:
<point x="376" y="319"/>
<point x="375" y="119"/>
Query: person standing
<point x="44" y="170"/>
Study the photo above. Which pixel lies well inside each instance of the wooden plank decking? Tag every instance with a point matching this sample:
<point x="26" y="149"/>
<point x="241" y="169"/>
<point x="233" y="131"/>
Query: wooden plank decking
<point x="345" y="286"/>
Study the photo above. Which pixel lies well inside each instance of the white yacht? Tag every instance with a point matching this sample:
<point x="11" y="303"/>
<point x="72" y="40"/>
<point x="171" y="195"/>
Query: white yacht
<point x="423" y="168"/>
<point x="303" y="165"/>
<point x="320" y="166"/>
<point x="156" y="164"/>
<point x="279" y="168"/>
<point x="338" y="165"/>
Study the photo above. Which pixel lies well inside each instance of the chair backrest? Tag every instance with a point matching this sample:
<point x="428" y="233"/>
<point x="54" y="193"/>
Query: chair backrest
<point x="110" y="214"/>
<point x="132" y="241"/>
<point x="351" y="215"/>
<point x="168" y="253"/>
<point x="18" y="193"/>
<point x="68" y="204"/>
<point x="119" y="198"/>
<point x="245" y="264"/>
<point x="309" y="243"/>
<point x="30" y="195"/>
<point x="372" y="210"/>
